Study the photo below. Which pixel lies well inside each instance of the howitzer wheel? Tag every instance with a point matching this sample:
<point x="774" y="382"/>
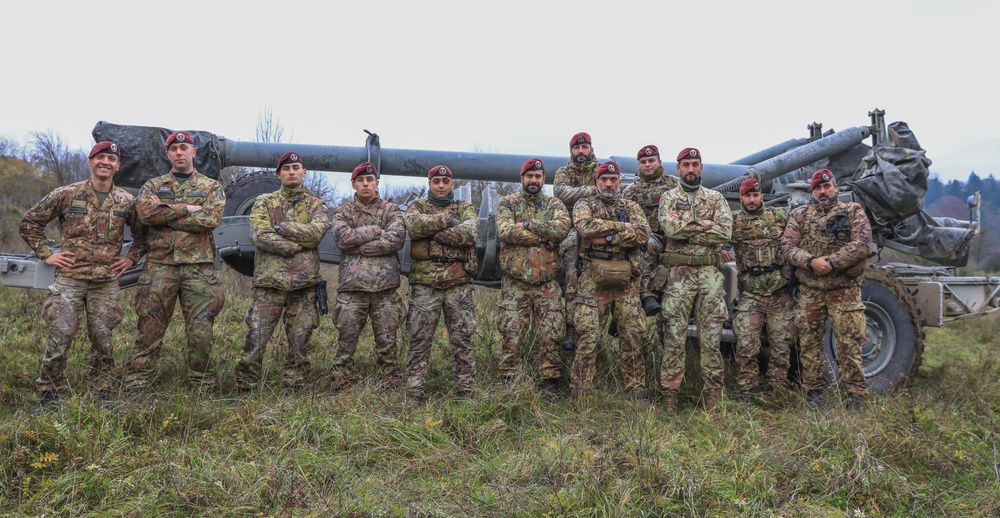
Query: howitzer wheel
<point x="893" y="344"/>
<point x="240" y="196"/>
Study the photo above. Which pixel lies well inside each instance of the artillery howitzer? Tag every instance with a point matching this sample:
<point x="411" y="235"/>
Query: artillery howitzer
<point x="888" y="178"/>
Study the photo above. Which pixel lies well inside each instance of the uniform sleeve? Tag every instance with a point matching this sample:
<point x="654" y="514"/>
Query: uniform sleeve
<point x="791" y="238"/>
<point x="157" y="214"/>
<point x="463" y="235"/>
<point x="32" y="227"/>
<point x="568" y="194"/>
<point x="392" y="237"/>
<point x="208" y="217"/>
<point x="719" y="229"/>
<point x="140" y="235"/>
<point x="345" y="236"/>
<point x="263" y="235"/>
<point x="676" y="224"/>
<point x="555" y="228"/>
<point x="309" y="234"/>
<point x="421" y="225"/>
<point x="511" y="231"/>
<point x="860" y="245"/>
<point x="590" y="227"/>
<point x="638" y="235"/>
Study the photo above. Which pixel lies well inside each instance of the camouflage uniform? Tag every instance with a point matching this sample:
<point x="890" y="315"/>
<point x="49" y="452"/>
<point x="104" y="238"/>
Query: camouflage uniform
<point x="94" y="232"/>
<point x="529" y="258"/>
<point x="442" y="284"/>
<point x="763" y="295"/>
<point x="647" y="191"/>
<point x="180" y="264"/>
<point x="595" y="217"/>
<point x="286" y="227"/>
<point x="695" y="230"/>
<point x="571" y="184"/>
<point x="369" y="235"/>
<point x="836" y="295"/>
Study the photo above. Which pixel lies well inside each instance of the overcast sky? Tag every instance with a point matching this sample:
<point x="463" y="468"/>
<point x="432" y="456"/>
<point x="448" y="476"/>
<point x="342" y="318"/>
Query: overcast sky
<point x="512" y="76"/>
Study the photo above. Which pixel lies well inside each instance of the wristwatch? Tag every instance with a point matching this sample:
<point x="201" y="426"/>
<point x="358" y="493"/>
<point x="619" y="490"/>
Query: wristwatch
<point x="526" y="224"/>
<point x="609" y="238"/>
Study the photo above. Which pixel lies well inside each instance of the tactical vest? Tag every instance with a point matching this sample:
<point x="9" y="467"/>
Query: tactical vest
<point x="818" y="242"/>
<point x="757" y="241"/>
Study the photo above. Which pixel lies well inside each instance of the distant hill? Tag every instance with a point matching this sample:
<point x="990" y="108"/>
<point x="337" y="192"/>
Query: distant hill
<point x="981" y="157"/>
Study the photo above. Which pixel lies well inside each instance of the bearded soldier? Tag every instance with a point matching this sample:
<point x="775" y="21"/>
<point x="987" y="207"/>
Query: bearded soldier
<point x="611" y="231"/>
<point x="286" y="227"/>
<point x="764" y="298"/>
<point x="181" y="209"/>
<point x="573" y="183"/>
<point x="828" y="242"/>
<point x="697" y="222"/>
<point x="443" y="247"/>
<point x="369" y="231"/>
<point x="92" y="217"/>
<point x="531" y="225"/>
<point x="647" y="191"/>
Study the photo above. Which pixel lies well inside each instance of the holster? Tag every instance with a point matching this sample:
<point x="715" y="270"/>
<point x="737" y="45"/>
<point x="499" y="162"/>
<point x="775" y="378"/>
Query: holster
<point x="321" y="298"/>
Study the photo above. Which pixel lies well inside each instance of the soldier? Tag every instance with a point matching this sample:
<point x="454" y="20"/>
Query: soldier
<point x="764" y="297"/>
<point x="572" y="183"/>
<point x="531" y="225"/>
<point x="443" y="233"/>
<point x="647" y="191"/>
<point x="286" y="227"/>
<point x="696" y="222"/>
<point x="828" y="242"/>
<point x="181" y="209"/>
<point x="369" y="231"/>
<point x="611" y="231"/>
<point x="92" y="217"/>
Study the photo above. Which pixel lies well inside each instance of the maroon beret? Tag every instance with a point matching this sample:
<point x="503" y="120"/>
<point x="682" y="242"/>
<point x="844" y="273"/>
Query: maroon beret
<point x="749" y="185"/>
<point x="579" y="138"/>
<point x="180" y="136"/>
<point x="688" y="153"/>
<point x="608" y="167"/>
<point x="646" y="151"/>
<point x="532" y="164"/>
<point x="439" y="170"/>
<point x="290" y="157"/>
<point x="364" y="169"/>
<point x="821" y="176"/>
<point x="105" y="147"/>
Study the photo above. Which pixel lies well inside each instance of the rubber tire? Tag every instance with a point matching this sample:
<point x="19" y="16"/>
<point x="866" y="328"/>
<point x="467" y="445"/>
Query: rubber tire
<point x="240" y="196"/>
<point x="895" y="362"/>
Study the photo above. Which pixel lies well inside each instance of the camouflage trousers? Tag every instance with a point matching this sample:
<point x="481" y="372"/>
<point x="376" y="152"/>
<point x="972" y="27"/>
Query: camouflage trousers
<point x="847" y="315"/>
<point x="353" y="309"/>
<point x="426" y="306"/>
<point x="752" y="312"/>
<point x="697" y="290"/>
<point x="595" y="307"/>
<point x="201" y="297"/>
<point x="520" y="303"/>
<point x="569" y="251"/>
<point x="648" y="261"/>
<point x="301" y="318"/>
<point x="67" y="301"/>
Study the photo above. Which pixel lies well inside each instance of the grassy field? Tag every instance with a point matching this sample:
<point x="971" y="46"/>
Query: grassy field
<point x="930" y="450"/>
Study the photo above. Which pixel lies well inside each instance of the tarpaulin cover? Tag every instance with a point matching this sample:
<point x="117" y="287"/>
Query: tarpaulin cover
<point x="144" y="153"/>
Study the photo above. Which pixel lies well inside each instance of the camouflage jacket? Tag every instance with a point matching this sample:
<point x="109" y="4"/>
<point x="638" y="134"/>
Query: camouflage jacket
<point x="757" y="244"/>
<point x="574" y="182"/>
<point x="452" y="248"/>
<point x="369" y="235"/>
<point x="175" y="235"/>
<point x="531" y="254"/>
<point x="696" y="230"/>
<point x="287" y="257"/>
<point x="94" y="233"/>
<point x="808" y="235"/>
<point x="596" y="217"/>
<point x="647" y="193"/>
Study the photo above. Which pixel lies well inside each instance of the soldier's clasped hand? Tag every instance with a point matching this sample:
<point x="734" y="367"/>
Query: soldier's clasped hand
<point x="61" y="259"/>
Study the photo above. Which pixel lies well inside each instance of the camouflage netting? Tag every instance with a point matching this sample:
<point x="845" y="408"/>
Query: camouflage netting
<point x="144" y="153"/>
<point x="891" y="180"/>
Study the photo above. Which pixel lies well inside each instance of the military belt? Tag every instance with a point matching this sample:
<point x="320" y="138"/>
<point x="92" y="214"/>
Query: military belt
<point x="605" y="256"/>
<point x="761" y="270"/>
<point x="446" y="260"/>
<point x="675" y="259"/>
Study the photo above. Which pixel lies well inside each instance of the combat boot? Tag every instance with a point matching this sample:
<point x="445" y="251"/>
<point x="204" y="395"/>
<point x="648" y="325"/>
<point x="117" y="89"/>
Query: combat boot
<point x="338" y="384"/>
<point x="651" y="306"/>
<point x="814" y="398"/>
<point x="48" y="402"/>
<point x="668" y="402"/>
<point x="853" y="403"/>
<point x="641" y="395"/>
<point x="569" y="343"/>
<point x="550" y="385"/>
<point x="712" y="398"/>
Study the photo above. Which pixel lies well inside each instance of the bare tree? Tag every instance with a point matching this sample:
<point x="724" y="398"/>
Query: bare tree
<point x="10" y="149"/>
<point x="51" y="153"/>
<point x="317" y="185"/>
<point x="269" y="128"/>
